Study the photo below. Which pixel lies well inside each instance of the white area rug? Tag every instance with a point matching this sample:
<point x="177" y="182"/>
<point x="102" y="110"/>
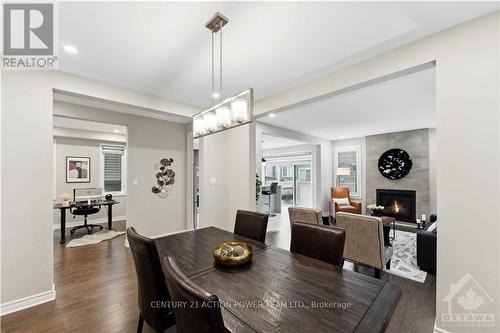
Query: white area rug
<point x="94" y="238"/>
<point x="404" y="258"/>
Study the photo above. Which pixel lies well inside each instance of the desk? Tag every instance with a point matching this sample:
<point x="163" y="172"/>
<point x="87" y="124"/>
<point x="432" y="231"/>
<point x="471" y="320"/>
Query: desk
<point x="99" y="203"/>
<point x="284" y="285"/>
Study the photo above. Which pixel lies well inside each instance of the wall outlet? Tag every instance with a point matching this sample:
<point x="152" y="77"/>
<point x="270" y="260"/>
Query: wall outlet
<point x="135" y="182"/>
<point x="213" y="180"/>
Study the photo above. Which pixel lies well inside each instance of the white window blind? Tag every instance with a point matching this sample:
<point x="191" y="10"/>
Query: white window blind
<point x="113" y="168"/>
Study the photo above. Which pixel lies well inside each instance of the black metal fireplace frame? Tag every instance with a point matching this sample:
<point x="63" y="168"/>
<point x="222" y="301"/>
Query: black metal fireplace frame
<point x="412" y="196"/>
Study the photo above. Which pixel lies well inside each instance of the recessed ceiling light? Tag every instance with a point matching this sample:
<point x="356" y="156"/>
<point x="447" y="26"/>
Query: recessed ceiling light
<point x="116" y="130"/>
<point x="341" y="137"/>
<point x="215" y="95"/>
<point x="272" y="115"/>
<point x="70" y="49"/>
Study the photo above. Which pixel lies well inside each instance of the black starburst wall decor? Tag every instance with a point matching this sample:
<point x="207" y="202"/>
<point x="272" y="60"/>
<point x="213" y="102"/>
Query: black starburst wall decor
<point x="394" y="164"/>
<point x="165" y="178"/>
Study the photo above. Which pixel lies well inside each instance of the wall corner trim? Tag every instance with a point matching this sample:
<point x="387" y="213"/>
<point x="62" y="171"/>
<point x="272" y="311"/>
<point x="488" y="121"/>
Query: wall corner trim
<point x="28" y="302"/>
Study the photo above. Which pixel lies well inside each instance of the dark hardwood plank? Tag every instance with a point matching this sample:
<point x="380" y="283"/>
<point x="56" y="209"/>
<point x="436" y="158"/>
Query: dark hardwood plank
<point x="192" y="250"/>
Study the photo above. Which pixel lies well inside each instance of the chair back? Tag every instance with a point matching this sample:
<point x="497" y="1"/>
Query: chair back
<point x="340" y="192"/>
<point x="86" y="210"/>
<point x="364" y="240"/>
<point x="150" y="280"/>
<point x="252" y="225"/>
<point x="202" y="311"/>
<point x="320" y="242"/>
<point x="273" y="188"/>
<point x="309" y="215"/>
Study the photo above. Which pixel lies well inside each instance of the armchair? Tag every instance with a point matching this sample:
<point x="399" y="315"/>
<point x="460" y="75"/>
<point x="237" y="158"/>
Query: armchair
<point x="343" y="192"/>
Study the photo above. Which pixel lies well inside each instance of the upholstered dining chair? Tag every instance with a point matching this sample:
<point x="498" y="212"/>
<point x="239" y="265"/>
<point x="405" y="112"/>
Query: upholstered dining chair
<point x="364" y="241"/>
<point x="206" y="316"/>
<point x="341" y="201"/>
<point x="252" y="225"/>
<point x="309" y="215"/>
<point x="150" y="282"/>
<point x="320" y="242"/>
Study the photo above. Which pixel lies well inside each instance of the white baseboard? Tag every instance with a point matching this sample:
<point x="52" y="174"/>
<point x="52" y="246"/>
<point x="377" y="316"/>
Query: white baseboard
<point x="94" y="221"/>
<point x="28" y="302"/>
<point x="170" y="233"/>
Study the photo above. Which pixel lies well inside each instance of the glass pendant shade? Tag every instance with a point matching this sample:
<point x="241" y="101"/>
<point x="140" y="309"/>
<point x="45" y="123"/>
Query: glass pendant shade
<point x="223" y="115"/>
<point x="210" y="122"/>
<point x="239" y="108"/>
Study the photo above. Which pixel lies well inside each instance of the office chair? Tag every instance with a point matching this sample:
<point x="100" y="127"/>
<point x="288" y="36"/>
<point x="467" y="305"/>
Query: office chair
<point x="85" y="211"/>
<point x="272" y="191"/>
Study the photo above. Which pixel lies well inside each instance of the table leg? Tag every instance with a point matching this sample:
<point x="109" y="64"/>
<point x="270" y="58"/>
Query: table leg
<point x="110" y="216"/>
<point x="63" y="226"/>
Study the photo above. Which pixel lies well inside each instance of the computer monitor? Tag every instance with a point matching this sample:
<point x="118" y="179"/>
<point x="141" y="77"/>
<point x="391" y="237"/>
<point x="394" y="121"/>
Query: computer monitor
<point x="87" y="194"/>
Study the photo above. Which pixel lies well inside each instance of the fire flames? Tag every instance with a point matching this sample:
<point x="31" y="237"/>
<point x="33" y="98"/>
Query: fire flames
<point x="395" y="206"/>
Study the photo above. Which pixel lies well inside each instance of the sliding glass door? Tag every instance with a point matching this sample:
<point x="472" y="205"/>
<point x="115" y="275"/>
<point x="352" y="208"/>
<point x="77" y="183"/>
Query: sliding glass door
<point x="294" y="175"/>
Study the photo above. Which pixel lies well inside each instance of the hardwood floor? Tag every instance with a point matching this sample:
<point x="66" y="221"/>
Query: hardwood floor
<point x="97" y="292"/>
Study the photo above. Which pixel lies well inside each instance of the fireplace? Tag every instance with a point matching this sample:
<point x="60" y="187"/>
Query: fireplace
<point x="400" y="204"/>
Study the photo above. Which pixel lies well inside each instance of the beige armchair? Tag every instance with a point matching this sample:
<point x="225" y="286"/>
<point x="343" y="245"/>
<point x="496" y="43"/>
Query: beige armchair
<point x="364" y="241"/>
<point x="309" y="215"/>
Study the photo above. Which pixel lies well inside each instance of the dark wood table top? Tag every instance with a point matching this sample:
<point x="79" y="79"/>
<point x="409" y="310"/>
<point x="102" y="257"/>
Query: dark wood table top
<point x="279" y="291"/>
<point x="193" y="250"/>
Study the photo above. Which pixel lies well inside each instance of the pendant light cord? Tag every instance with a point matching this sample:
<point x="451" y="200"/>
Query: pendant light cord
<point x="213" y="66"/>
<point x="220" y="78"/>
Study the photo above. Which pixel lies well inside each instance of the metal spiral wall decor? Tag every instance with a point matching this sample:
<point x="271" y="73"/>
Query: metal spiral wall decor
<point x="165" y="178"/>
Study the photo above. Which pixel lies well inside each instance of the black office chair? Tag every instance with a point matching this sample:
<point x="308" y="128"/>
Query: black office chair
<point x="272" y="191"/>
<point x="85" y="211"/>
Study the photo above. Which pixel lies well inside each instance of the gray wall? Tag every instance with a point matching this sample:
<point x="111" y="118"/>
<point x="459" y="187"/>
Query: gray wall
<point x="416" y="143"/>
<point x="85" y="148"/>
<point x="149" y="140"/>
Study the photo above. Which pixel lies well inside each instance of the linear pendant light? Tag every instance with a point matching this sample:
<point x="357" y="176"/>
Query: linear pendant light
<point x="231" y="112"/>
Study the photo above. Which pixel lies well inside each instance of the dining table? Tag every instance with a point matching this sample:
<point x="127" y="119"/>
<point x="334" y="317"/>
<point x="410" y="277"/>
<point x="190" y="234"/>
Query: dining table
<point x="281" y="291"/>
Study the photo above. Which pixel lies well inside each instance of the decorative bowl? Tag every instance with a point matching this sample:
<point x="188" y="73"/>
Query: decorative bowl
<point x="232" y="253"/>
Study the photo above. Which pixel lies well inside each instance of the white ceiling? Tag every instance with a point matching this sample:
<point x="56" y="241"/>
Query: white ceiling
<point x="273" y="142"/>
<point x="163" y="48"/>
<point x="395" y="105"/>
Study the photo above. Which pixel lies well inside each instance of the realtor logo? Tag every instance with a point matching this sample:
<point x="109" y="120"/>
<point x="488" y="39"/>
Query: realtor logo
<point x="468" y="305"/>
<point x="28" y="36"/>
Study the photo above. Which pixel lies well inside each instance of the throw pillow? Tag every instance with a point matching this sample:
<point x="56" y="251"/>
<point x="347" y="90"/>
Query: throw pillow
<point x="432" y="227"/>
<point x="341" y="201"/>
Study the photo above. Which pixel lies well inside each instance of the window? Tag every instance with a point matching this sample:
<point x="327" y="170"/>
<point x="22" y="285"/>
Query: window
<point x="348" y="157"/>
<point x="113" y="177"/>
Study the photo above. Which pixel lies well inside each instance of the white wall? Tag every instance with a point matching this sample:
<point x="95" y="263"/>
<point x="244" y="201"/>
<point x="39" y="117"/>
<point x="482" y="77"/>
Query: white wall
<point x="82" y="148"/>
<point x="467" y="104"/>
<point x="27" y="145"/>
<point x="228" y="158"/>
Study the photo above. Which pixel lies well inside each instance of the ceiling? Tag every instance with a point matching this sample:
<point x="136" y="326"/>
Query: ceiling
<point x="163" y="48"/>
<point x="273" y="142"/>
<point x="404" y="103"/>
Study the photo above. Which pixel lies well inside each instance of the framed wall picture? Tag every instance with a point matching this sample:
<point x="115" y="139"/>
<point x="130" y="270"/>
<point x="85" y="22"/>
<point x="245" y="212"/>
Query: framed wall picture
<point x="77" y="169"/>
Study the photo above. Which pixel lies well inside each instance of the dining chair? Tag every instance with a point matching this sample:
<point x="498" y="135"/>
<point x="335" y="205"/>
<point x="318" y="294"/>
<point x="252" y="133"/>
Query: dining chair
<point x="310" y="215"/>
<point x="364" y="242"/>
<point x="317" y="241"/>
<point x="202" y="313"/>
<point x="151" y="283"/>
<point x="252" y="225"/>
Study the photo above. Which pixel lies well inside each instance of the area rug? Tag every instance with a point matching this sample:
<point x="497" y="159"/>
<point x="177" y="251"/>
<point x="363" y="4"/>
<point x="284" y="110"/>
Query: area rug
<point x="404" y="258"/>
<point x="94" y="238"/>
